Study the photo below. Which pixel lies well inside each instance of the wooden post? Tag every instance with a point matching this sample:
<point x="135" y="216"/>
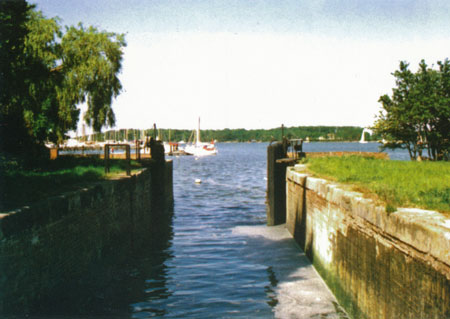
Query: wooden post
<point x="54" y="153"/>
<point x="106" y="158"/>
<point x="127" y="148"/>
<point x="138" y="150"/>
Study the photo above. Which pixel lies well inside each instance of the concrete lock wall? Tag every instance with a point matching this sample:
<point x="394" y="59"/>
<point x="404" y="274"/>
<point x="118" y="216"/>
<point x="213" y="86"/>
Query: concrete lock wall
<point x="276" y="180"/>
<point x="52" y="248"/>
<point x="378" y="265"/>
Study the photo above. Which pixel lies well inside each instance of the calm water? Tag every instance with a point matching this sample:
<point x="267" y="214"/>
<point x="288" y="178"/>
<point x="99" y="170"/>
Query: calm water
<point x="208" y="267"/>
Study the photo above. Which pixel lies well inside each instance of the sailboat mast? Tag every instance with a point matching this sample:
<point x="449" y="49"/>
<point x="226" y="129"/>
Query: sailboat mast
<point x="198" y="132"/>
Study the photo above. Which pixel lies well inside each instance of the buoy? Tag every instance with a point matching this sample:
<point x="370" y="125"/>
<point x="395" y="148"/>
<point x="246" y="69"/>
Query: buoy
<point x="198" y="181"/>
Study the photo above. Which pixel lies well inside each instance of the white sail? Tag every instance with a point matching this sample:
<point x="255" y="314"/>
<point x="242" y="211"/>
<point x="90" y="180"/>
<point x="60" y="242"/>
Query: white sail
<point x="363" y="139"/>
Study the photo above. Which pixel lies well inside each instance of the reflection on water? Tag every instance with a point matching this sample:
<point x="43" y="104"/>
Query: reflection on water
<point x="107" y="289"/>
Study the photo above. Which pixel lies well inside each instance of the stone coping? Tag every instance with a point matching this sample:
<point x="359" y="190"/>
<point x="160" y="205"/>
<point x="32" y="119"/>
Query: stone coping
<point x="52" y="208"/>
<point x="426" y="231"/>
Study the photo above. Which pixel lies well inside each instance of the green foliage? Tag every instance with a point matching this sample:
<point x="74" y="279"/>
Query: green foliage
<point x="334" y="133"/>
<point x="47" y="73"/>
<point x="390" y="208"/>
<point x="17" y="70"/>
<point x="91" y="62"/>
<point x="397" y="183"/>
<point x="417" y="115"/>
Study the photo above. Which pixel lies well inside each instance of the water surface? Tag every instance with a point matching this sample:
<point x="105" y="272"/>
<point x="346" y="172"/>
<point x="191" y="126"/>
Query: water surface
<point x="221" y="260"/>
<point x="206" y="274"/>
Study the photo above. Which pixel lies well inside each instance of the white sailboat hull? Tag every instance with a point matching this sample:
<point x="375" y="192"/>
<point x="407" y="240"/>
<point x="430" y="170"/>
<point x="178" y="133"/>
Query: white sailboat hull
<point x="198" y="148"/>
<point x="203" y="149"/>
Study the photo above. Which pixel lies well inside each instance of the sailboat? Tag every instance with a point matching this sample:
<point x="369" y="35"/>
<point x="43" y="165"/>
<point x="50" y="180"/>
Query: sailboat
<point x="198" y="148"/>
<point x="363" y="139"/>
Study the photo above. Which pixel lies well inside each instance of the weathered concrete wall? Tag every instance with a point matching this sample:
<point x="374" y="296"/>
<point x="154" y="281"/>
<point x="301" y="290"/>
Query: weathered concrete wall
<point x="276" y="181"/>
<point x="378" y="265"/>
<point x="50" y="248"/>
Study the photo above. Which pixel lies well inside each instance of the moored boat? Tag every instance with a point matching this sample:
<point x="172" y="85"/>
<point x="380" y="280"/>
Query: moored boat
<point x="199" y="148"/>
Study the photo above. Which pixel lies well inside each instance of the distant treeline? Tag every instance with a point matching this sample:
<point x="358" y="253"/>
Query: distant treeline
<point x="313" y="133"/>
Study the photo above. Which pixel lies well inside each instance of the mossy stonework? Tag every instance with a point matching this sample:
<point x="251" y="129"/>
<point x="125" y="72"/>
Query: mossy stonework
<point x="56" y="243"/>
<point x="378" y="264"/>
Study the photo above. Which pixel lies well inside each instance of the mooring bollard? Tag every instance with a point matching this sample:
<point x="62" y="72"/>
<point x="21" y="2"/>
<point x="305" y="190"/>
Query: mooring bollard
<point x="157" y="150"/>
<point x="277" y="162"/>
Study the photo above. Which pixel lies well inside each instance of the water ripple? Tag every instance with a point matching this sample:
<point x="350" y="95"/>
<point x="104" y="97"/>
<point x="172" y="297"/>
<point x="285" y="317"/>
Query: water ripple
<point x="222" y="262"/>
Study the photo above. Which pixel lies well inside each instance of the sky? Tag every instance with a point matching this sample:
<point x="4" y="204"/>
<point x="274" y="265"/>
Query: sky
<point x="261" y="63"/>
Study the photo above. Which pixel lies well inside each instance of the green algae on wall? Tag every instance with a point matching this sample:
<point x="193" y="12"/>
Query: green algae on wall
<point x="378" y="265"/>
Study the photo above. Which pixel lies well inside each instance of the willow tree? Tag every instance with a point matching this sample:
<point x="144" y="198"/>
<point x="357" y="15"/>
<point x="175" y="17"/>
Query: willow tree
<point x="54" y="72"/>
<point x="417" y="115"/>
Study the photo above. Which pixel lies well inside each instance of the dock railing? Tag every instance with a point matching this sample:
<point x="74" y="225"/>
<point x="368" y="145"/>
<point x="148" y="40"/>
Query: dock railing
<point x="128" y="156"/>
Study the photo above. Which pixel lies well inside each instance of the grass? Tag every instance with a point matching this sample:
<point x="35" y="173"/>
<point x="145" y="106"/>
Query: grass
<point x="21" y="185"/>
<point x="396" y="183"/>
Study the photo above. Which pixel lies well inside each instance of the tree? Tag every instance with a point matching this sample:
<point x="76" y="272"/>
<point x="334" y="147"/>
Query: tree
<point x="15" y="67"/>
<point x="48" y="73"/>
<point x="416" y="117"/>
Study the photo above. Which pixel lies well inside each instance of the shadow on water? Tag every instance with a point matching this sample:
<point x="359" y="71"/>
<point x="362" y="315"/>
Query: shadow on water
<point x="124" y="277"/>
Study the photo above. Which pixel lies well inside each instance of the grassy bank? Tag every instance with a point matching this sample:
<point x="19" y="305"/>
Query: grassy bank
<point x="396" y="183"/>
<point x="21" y="186"/>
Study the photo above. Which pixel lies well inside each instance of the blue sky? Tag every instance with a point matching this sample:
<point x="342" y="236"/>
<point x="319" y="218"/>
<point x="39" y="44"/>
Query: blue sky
<point x="257" y="64"/>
